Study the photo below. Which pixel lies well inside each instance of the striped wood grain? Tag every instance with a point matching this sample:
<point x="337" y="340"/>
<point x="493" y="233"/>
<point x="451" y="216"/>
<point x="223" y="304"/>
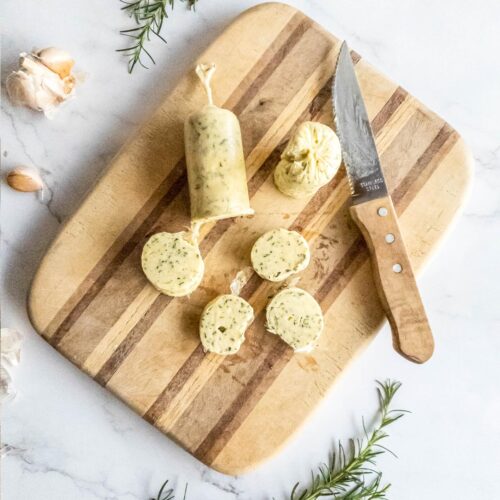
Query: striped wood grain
<point x="91" y="301"/>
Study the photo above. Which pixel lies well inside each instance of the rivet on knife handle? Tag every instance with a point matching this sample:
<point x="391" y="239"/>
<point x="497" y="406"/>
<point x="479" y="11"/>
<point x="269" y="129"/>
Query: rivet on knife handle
<point x="394" y="278"/>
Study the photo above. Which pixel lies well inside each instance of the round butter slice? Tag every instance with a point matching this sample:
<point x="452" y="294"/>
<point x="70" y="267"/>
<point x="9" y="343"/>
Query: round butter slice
<point x="310" y="160"/>
<point x="172" y="264"/>
<point x="223" y="324"/>
<point x="296" y="317"/>
<point x="279" y="253"/>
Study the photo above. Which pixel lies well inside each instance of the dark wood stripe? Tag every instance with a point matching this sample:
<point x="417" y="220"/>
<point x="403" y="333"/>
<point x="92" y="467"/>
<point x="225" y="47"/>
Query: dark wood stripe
<point x="274" y="62"/>
<point x="132" y="339"/>
<point x="388" y="109"/>
<point x="316" y="202"/>
<point x="175" y="385"/>
<point x="339" y="277"/>
<point x="285" y="37"/>
<point x="420" y="171"/>
<point x="176" y="180"/>
<point x="265" y="373"/>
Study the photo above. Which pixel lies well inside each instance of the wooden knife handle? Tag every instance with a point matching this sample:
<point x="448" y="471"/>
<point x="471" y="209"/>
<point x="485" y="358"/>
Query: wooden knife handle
<point x="394" y="278"/>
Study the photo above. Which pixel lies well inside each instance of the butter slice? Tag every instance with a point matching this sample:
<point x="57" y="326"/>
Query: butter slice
<point x="223" y="324"/>
<point x="295" y="316"/>
<point x="279" y="253"/>
<point x="172" y="263"/>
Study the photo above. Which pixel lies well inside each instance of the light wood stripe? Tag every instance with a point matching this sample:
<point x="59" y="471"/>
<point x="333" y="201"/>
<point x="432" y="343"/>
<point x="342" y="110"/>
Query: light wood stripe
<point x="114" y="337"/>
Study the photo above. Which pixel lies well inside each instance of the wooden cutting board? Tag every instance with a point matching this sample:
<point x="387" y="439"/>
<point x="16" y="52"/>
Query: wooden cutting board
<point x="91" y="301"/>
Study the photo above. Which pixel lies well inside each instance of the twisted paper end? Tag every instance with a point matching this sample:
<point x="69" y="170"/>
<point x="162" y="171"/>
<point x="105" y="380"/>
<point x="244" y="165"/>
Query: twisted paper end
<point x="205" y="72"/>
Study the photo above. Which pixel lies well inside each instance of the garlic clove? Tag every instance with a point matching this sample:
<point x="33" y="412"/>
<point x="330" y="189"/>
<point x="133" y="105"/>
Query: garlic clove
<point x="24" y="179"/>
<point x="21" y="90"/>
<point x="57" y="60"/>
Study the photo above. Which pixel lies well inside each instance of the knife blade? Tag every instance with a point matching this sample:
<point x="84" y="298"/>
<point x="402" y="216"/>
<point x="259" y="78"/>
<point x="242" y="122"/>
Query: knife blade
<point x="374" y="214"/>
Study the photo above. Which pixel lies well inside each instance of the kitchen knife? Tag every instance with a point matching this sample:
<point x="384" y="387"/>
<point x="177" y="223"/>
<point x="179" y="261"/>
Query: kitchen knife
<point x="374" y="214"/>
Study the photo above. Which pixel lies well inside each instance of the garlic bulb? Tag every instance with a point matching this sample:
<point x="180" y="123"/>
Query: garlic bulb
<point x="309" y="161"/>
<point x="25" y="179"/>
<point x="43" y="80"/>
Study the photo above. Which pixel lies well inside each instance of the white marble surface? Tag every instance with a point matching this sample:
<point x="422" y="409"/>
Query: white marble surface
<point x="70" y="439"/>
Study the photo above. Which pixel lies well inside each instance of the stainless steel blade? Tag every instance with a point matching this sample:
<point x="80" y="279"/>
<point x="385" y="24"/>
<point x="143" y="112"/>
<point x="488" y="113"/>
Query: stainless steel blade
<point x="356" y="137"/>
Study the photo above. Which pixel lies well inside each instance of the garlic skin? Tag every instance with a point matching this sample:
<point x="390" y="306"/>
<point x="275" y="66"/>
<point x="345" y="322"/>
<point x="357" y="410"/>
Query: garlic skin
<point x="240" y="280"/>
<point x="10" y="356"/>
<point x="25" y="179"/>
<point x="43" y="80"/>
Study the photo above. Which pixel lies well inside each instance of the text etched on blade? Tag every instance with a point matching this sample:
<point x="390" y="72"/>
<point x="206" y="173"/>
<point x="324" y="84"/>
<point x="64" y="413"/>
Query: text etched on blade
<point x="372" y="184"/>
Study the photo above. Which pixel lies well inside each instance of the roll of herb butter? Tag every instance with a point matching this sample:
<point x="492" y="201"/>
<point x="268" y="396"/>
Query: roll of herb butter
<point x="214" y="159"/>
<point x="294" y="315"/>
<point x="309" y="161"/>
<point x="279" y="253"/>
<point x="172" y="263"/>
<point x="223" y="324"/>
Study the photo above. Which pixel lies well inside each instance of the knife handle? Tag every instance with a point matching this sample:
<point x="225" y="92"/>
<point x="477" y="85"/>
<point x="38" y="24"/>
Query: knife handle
<point x="394" y="278"/>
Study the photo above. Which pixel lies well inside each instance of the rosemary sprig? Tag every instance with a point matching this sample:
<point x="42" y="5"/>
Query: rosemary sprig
<point x="149" y="16"/>
<point x="350" y="474"/>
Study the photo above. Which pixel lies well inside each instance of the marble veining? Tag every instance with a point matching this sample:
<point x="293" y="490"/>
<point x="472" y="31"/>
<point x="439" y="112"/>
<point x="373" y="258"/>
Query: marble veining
<point x="64" y="437"/>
